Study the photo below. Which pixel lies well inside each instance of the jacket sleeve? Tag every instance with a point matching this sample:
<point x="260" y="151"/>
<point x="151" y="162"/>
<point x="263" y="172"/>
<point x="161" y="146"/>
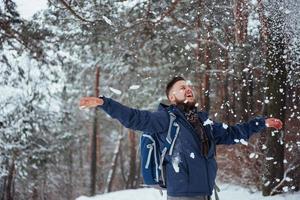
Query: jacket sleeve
<point x="141" y="120"/>
<point x="225" y="134"/>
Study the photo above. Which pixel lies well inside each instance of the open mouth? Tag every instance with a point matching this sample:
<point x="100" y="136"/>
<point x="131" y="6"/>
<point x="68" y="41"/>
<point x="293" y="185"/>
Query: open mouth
<point x="189" y="95"/>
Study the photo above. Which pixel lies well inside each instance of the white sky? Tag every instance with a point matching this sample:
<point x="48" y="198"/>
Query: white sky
<point x="27" y="8"/>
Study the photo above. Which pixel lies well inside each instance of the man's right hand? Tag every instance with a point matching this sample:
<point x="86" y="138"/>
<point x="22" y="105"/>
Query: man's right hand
<point x="274" y="123"/>
<point x="90" y="102"/>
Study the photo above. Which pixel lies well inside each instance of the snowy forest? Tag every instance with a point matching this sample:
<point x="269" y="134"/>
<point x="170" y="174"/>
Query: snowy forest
<point x="242" y="58"/>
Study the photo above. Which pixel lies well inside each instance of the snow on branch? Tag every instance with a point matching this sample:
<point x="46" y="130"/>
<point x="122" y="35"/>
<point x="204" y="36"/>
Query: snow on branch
<point x="167" y="12"/>
<point x="73" y="12"/>
<point x="290" y="168"/>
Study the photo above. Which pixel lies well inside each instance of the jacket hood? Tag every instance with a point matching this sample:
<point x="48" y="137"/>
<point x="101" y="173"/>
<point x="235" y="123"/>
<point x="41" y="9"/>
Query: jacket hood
<point x="162" y="107"/>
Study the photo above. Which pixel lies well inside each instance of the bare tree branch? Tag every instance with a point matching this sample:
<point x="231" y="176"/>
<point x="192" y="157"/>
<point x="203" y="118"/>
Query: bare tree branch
<point x="290" y="168"/>
<point x="167" y="12"/>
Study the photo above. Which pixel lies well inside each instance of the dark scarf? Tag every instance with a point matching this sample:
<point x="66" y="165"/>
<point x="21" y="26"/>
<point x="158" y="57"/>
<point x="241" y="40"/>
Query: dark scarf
<point x="191" y="114"/>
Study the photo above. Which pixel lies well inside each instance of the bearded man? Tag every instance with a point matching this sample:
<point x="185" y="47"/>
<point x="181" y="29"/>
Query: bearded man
<point x="194" y="176"/>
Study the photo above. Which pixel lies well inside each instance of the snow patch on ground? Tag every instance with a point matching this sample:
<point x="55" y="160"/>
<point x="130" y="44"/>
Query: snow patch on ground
<point x="228" y="192"/>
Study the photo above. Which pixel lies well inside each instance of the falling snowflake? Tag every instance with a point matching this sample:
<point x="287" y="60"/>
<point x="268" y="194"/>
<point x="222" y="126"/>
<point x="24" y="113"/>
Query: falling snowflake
<point x="134" y="87"/>
<point x="192" y="155"/>
<point x="285" y="188"/>
<point x="107" y="20"/>
<point x="208" y="122"/>
<point x="244" y="142"/>
<point x="118" y="92"/>
<point x="252" y="155"/>
<point x="267" y="183"/>
<point x="225" y="126"/>
<point x="236" y="140"/>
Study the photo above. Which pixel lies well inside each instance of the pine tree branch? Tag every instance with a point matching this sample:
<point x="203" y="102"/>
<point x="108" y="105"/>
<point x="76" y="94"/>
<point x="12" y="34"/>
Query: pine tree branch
<point x="74" y="12"/>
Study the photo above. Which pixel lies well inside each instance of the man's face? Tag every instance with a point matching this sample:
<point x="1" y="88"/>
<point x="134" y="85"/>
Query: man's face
<point x="181" y="92"/>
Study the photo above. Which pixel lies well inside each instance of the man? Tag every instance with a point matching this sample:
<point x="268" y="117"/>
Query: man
<point x="193" y="175"/>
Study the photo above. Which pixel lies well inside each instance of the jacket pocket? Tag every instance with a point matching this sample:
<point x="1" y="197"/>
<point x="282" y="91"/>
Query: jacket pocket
<point x="177" y="174"/>
<point x="199" y="176"/>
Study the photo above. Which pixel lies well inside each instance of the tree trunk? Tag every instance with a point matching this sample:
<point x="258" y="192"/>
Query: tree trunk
<point x="276" y="84"/>
<point x="241" y="14"/>
<point x="132" y="164"/>
<point x="263" y="30"/>
<point x="81" y="168"/>
<point x="2" y="187"/>
<point x="198" y="52"/>
<point x="112" y="170"/>
<point x="8" y="195"/>
<point x="44" y="185"/>
<point x="70" y="173"/>
<point x="3" y="179"/>
<point x="121" y="162"/>
<point x="207" y="60"/>
<point x="93" y="169"/>
<point x="226" y="82"/>
<point x="99" y="161"/>
<point x="138" y="174"/>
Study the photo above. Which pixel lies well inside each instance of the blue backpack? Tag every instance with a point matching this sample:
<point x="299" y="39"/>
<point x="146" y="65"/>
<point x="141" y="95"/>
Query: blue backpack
<point x="153" y="152"/>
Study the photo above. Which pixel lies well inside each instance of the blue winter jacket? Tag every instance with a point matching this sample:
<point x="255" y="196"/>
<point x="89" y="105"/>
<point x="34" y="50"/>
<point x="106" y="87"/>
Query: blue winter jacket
<point x="188" y="172"/>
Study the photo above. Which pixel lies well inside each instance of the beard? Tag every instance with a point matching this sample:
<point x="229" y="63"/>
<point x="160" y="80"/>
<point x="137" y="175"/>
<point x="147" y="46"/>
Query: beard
<point x="185" y="106"/>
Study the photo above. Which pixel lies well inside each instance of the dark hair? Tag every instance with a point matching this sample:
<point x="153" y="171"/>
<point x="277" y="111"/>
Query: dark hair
<point x="171" y="83"/>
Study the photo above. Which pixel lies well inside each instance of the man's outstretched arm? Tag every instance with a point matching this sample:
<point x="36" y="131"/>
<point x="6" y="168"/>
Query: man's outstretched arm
<point x="141" y="120"/>
<point x="225" y="134"/>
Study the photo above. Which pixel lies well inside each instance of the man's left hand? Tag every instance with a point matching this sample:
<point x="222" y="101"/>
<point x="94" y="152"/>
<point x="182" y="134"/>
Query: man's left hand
<point x="274" y="123"/>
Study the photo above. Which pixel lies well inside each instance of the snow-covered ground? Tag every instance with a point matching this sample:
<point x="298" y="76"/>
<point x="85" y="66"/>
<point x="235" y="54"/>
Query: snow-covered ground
<point x="228" y="192"/>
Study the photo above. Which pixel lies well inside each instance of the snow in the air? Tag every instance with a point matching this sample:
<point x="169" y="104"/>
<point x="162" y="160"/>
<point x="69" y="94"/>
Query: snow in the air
<point x="244" y="142"/>
<point x="134" y="87"/>
<point x="225" y="126"/>
<point x="107" y="20"/>
<point x="252" y="155"/>
<point x="192" y="155"/>
<point x="207" y="122"/>
<point x="116" y="91"/>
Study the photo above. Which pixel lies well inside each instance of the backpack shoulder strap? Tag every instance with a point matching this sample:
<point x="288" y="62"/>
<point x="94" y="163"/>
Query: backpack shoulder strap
<point x="172" y="120"/>
<point x="172" y="132"/>
<point x="170" y="141"/>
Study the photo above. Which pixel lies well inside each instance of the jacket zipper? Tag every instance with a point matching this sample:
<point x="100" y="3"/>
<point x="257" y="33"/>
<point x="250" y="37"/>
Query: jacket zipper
<point x="192" y="128"/>
<point x="205" y="157"/>
<point x="207" y="175"/>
